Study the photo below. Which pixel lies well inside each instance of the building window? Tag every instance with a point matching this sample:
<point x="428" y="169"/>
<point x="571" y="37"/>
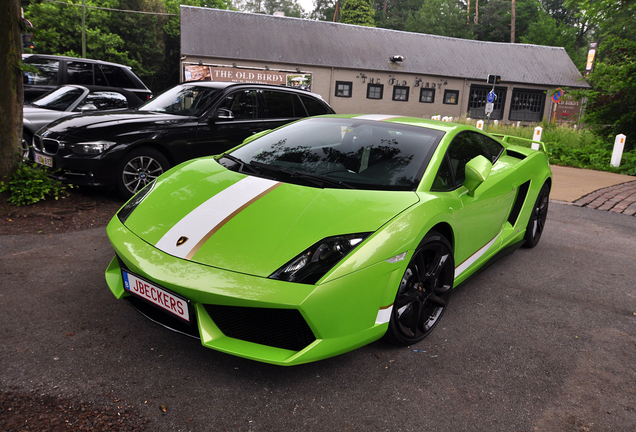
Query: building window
<point x="427" y="95"/>
<point x="527" y="105"/>
<point x="477" y="102"/>
<point x="451" y="97"/>
<point x="400" y="93"/>
<point x="343" y="88"/>
<point x="375" y="91"/>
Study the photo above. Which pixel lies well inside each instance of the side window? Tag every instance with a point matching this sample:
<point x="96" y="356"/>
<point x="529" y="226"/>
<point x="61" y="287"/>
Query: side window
<point x="79" y="73"/>
<point x="444" y="178"/>
<point x="46" y="74"/>
<point x="116" y="77"/>
<point x="314" y="107"/>
<point x="106" y="100"/>
<point x="242" y="104"/>
<point x="492" y="148"/>
<point x="464" y="147"/>
<point x="277" y="104"/>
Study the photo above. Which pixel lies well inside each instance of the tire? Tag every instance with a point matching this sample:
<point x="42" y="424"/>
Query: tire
<point x="137" y="169"/>
<point x="26" y="144"/>
<point x="536" y="222"/>
<point x="424" y="291"/>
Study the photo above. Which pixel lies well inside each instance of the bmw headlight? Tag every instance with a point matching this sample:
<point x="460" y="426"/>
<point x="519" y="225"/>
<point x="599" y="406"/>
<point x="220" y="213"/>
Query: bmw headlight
<point x="91" y="147"/>
<point x="132" y="204"/>
<point x="313" y="263"/>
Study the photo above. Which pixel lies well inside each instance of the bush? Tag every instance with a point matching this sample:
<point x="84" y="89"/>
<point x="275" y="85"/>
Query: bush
<point x="31" y="183"/>
<point x="578" y="148"/>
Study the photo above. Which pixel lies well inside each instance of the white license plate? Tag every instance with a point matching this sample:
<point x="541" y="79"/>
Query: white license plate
<point x="44" y="160"/>
<point x="158" y="296"/>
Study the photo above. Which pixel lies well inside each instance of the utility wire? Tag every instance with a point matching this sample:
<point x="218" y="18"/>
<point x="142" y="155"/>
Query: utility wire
<point x="110" y="9"/>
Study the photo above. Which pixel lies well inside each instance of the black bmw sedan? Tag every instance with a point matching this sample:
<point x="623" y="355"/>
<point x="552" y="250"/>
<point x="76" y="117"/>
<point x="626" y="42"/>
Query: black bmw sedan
<point x="126" y="150"/>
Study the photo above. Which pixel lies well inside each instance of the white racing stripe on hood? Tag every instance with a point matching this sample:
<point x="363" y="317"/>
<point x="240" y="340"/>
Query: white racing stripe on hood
<point x="202" y="222"/>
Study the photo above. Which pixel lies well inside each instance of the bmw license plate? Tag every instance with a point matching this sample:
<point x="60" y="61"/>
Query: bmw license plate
<point x="44" y="160"/>
<point x="158" y="296"/>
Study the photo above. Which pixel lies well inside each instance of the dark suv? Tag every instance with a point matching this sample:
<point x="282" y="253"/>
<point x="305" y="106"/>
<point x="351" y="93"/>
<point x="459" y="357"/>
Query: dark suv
<point x="127" y="149"/>
<point x="54" y="71"/>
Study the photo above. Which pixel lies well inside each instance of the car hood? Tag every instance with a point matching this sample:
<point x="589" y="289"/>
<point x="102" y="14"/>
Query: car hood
<point x="109" y="124"/>
<point x="217" y="217"/>
<point x="42" y="116"/>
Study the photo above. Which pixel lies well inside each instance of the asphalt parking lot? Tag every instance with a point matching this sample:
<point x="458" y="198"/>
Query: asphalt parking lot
<point x="544" y="340"/>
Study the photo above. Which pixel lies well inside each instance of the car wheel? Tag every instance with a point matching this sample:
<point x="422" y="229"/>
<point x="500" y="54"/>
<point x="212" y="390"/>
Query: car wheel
<point x="536" y="223"/>
<point x="138" y="168"/>
<point x="25" y="149"/>
<point x="424" y="291"/>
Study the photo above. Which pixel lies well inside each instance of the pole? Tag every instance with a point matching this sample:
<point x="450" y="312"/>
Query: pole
<point x="83" y="30"/>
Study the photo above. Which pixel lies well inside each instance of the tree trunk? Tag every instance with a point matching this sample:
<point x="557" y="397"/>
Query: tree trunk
<point x="476" y="11"/>
<point x="513" y="22"/>
<point x="11" y="90"/>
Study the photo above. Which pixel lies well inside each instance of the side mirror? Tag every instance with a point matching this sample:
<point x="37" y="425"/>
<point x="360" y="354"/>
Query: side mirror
<point x="88" y="107"/>
<point x="477" y="171"/>
<point x="223" y="114"/>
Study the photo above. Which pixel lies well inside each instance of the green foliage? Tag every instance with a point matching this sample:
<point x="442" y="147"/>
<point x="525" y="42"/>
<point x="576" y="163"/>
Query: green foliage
<point x="611" y="108"/>
<point x="358" y="12"/>
<point x="31" y="183"/>
<point x="427" y="19"/>
<point x="146" y="42"/>
<point x="576" y="148"/>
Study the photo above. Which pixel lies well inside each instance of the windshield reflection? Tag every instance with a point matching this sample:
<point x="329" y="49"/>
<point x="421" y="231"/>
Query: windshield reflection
<point x="185" y="100"/>
<point x="362" y="153"/>
<point x="59" y="99"/>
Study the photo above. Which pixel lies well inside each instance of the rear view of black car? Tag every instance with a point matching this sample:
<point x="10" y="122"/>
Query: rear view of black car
<point x="128" y="149"/>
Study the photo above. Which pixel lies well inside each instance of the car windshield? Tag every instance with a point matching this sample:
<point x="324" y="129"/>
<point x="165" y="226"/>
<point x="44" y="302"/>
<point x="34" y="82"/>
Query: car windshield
<point x="356" y="153"/>
<point x="185" y="100"/>
<point x="59" y="99"/>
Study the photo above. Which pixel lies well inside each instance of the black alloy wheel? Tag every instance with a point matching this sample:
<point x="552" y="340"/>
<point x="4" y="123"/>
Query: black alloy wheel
<point x="138" y="168"/>
<point x="536" y="223"/>
<point x="424" y="291"/>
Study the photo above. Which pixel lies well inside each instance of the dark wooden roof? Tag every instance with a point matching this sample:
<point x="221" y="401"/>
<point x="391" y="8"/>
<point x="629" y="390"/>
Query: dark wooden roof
<point x="301" y="42"/>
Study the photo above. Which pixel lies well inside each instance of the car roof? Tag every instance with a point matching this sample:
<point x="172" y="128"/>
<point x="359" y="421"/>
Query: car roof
<point x="227" y="84"/>
<point x="51" y="56"/>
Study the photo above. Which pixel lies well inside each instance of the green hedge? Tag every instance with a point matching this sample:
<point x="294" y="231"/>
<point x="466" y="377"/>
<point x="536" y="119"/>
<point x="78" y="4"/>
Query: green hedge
<point x="574" y="147"/>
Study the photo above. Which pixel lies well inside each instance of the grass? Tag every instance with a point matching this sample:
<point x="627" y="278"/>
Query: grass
<point x="578" y="148"/>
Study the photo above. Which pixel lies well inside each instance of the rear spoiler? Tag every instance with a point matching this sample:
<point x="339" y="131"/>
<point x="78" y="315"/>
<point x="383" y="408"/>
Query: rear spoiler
<point x="534" y="145"/>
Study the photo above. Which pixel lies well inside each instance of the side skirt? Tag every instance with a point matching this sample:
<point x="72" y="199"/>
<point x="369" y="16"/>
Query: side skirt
<point x="502" y="253"/>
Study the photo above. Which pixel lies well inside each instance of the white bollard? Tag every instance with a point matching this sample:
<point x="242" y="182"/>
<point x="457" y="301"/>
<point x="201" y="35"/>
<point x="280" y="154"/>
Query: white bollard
<point x="537" y="137"/>
<point x="445" y="119"/>
<point x="480" y="124"/>
<point x="436" y="117"/>
<point x="617" y="153"/>
<point x="496" y="122"/>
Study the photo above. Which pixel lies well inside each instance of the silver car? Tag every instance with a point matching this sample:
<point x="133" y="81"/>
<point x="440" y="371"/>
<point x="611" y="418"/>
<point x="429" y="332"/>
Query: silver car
<point x="70" y="100"/>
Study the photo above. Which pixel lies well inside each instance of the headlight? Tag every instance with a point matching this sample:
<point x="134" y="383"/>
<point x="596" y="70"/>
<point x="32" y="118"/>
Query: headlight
<point x="90" y="148"/>
<point x="309" y="266"/>
<point x="132" y="204"/>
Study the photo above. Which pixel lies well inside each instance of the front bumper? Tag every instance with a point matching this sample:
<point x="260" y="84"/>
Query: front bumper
<point x="340" y="315"/>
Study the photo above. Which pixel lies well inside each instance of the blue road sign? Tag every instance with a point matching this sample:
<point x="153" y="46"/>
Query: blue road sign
<point x="491" y="96"/>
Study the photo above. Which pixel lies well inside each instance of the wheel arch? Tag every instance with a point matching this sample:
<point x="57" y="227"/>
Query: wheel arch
<point x="153" y="145"/>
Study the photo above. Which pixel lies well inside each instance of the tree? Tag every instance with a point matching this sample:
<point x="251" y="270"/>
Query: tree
<point x="11" y="90"/>
<point x="440" y="17"/>
<point x="357" y="12"/>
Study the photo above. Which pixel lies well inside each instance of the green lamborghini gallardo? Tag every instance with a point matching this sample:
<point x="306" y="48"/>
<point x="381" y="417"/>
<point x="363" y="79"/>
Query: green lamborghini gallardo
<point x="326" y="234"/>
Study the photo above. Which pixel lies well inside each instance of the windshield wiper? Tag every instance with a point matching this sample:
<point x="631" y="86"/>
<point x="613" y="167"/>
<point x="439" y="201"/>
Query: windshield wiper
<point x="316" y="179"/>
<point x="241" y="163"/>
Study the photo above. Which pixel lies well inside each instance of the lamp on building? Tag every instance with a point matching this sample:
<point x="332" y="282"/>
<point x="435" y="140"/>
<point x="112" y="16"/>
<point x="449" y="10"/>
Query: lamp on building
<point x="396" y="58"/>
